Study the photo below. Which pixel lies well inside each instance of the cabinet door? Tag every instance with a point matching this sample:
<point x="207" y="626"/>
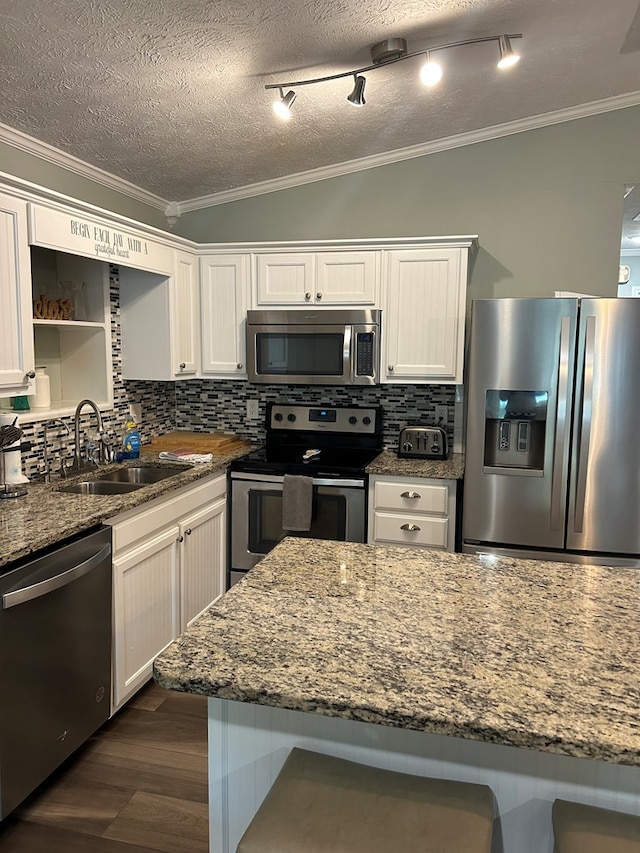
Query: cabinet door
<point x="184" y="296"/>
<point x="16" y="334"/>
<point x="224" y="283"/>
<point x="145" y="606"/>
<point x="202" y="560"/>
<point x="286" y="279"/>
<point x="349" y="278"/>
<point x="425" y="292"/>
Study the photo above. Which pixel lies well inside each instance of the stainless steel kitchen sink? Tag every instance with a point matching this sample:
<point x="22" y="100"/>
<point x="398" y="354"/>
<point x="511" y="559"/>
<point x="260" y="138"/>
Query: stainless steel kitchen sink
<point x="140" y="475"/>
<point x="99" y="487"/>
<point x="122" y="480"/>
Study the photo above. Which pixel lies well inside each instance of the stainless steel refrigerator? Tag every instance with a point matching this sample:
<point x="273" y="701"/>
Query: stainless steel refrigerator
<point x="553" y="430"/>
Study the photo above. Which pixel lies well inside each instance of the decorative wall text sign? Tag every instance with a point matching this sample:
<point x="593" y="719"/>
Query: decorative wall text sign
<point x="92" y="238"/>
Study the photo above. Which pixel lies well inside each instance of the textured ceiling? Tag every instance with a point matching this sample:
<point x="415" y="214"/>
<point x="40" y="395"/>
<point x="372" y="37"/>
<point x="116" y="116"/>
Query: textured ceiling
<point x="169" y="94"/>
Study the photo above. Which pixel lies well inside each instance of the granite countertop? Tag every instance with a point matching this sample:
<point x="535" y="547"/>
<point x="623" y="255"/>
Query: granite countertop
<point x="442" y="469"/>
<point x="45" y="516"/>
<point x="530" y="654"/>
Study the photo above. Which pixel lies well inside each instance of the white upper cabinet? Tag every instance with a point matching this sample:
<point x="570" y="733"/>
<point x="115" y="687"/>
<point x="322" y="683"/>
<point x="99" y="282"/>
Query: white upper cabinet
<point x="287" y="279"/>
<point x="185" y="314"/>
<point x="424" y="296"/>
<point x="17" y="365"/>
<point x="318" y="278"/>
<point x="224" y="294"/>
<point x="349" y="278"/>
<point x="168" y="304"/>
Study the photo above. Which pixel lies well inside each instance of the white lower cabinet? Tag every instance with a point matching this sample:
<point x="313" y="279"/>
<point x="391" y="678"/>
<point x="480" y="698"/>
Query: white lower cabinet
<point x="412" y="511"/>
<point x="168" y="566"/>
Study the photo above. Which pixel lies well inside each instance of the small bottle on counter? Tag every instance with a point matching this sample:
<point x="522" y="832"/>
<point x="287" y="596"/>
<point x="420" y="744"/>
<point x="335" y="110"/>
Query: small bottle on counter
<point x="42" y="397"/>
<point x="130" y="442"/>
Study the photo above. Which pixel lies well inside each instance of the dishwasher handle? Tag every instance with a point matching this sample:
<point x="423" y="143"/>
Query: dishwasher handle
<point x="36" y="590"/>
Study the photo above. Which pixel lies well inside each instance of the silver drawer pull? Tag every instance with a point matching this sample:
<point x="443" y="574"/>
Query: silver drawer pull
<point x="412" y="495"/>
<point x="411" y="527"/>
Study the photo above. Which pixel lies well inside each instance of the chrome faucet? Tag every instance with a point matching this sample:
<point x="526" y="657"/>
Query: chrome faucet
<point x="46" y="474"/>
<point x="78" y="464"/>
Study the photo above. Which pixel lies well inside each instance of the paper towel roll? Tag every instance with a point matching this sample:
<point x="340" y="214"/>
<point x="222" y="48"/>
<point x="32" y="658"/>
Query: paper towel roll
<point x="10" y="457"/>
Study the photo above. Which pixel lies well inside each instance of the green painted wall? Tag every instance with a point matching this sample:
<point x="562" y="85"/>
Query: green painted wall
<point x="31" y="168"/>
<point x="546" y="204"/>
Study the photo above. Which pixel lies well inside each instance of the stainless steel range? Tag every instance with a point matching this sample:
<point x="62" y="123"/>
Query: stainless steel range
<point x="329" y="445"/>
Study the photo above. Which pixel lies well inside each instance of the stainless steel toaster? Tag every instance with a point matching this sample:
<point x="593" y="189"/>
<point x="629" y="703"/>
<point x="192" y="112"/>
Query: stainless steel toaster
<point x="417" y="442"/>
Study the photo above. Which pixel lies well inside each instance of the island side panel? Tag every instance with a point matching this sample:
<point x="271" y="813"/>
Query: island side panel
<point x="248" y="745"/>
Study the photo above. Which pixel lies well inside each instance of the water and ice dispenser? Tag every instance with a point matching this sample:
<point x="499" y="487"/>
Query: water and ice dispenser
<point x="515" y="427"/>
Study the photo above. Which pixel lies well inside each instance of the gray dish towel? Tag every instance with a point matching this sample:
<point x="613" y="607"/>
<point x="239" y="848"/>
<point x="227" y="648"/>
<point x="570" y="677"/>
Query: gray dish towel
<point x="297" y="502"/>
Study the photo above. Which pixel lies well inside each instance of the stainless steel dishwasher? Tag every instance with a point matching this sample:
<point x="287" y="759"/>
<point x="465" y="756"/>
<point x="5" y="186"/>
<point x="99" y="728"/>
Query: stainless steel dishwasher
<point x="55" y="660"/>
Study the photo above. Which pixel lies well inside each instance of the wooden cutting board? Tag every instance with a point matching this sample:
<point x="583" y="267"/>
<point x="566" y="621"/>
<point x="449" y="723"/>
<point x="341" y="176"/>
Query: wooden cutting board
<point x="197" y="442"/>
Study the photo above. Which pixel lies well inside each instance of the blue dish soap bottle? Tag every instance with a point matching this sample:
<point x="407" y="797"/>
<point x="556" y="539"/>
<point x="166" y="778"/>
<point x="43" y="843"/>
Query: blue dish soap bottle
<point x="131" y="441"/>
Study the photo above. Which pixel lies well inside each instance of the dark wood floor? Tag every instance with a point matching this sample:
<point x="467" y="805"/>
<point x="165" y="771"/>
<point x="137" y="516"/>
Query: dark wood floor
<point x="140" y="784"/>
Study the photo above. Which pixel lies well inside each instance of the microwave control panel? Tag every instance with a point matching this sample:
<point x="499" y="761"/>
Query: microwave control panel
<point x="365" y="351"/>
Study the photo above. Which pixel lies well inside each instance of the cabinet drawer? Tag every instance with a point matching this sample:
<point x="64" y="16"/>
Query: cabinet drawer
<point x="412" y="498"/>
<point x="432" y="532"/>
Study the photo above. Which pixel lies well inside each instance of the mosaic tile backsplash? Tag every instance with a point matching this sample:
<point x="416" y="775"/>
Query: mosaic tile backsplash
<point x="206" y="405"/>
<point x="201" y="404"/>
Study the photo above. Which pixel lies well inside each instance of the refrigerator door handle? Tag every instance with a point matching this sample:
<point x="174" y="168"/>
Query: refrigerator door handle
<point x="561" y="424"/>
<point x="584" y="438"/>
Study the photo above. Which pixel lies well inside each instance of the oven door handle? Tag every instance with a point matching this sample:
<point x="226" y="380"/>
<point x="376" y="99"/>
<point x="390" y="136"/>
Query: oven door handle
<point x="316" y="481"/>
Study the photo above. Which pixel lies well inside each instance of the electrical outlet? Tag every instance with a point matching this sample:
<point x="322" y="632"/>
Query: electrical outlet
<point x="442" y="415"/>
<point x="135" y="410"/>
<point x="252" y="410"/>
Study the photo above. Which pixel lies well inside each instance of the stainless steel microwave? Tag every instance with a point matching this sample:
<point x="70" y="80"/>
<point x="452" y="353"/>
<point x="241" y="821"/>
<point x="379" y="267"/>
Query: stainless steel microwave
<point x="303" y="346"/>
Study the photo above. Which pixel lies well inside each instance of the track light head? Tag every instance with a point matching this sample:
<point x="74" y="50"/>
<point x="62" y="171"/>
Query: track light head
<point x="431" y="71"/>
<point x="356" y="98"/>
<point x="508" y="56"/>
<point x="282" y="107"/>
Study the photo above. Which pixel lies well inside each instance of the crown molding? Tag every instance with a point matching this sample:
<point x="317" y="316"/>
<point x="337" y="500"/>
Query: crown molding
<point x="23" y="142"/>
<point x="42" y="150"/>
<point x="449" y="143"/>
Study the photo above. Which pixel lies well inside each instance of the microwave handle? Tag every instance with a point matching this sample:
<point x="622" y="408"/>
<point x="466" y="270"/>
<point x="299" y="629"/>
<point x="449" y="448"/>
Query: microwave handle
<point x="348" y="368"/>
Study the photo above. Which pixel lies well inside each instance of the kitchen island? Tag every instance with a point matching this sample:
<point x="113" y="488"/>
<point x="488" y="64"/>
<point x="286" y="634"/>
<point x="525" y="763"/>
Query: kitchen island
<point x="509" y="672"/>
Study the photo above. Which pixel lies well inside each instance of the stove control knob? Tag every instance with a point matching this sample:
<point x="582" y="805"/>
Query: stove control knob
<point x="366" y="421"/>
<point x="277" y="416"/>
<point x="353" y="420"/>
<point x="291" y="417"/>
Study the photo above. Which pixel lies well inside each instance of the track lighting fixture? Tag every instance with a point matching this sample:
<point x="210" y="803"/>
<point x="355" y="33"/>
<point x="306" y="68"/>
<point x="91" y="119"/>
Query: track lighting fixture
<point x="357" y="96"/>
<point x="386" y="53"/>
<point x="508" y="57"/>
<point x="282" y="107"/>
<point x="431" y="71"/>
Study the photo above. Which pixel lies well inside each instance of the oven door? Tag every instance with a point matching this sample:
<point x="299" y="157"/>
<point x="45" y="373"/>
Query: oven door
<point x="289" y="354"/>
<point x="339" y="512"/>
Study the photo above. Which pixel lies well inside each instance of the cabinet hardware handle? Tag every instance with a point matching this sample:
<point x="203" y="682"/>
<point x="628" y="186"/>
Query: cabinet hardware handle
<point x="390" y="367"/>
<point x="188" y="531"/>
<point x="307" y="296"/>
<point x="318" y="296"/>
<point x="412" y="495"/>
<point x="239" y="365"/>
<point x="411" y="527"/>
<point x="31" y="374"/>
<point x="182" y="365"/>
<point x="179" y="538"/>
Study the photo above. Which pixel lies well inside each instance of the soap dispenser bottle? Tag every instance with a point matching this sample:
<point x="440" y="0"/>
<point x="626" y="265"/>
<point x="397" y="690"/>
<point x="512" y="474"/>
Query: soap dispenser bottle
<point x="131" y="441"/>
